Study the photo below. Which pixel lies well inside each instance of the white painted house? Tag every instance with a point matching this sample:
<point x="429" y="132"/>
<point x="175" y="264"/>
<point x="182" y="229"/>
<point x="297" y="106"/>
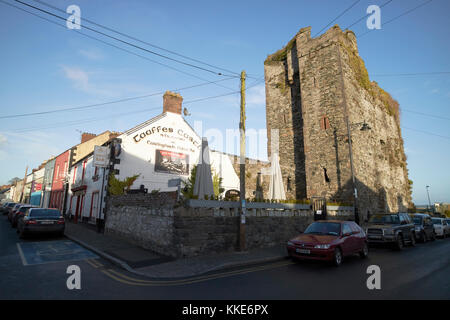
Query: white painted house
<point x="84" y="198"/>
<point x="164" y="148"/>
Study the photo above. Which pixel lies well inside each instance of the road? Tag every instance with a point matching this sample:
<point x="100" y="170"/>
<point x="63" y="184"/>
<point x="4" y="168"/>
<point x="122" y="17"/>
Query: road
<point x="35" y="268"/>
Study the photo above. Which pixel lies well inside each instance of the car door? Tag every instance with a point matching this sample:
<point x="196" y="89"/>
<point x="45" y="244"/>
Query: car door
<point x="358" y="236"/>
<point x="348" y="245"/>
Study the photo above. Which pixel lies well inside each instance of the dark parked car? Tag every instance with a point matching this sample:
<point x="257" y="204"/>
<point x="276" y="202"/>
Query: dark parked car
<point x="329" y="240"/>
<point x="424" y="227"/>
<point x="39" y="220"/>
<point x="3" y="208"/>
<point x="395" y="229"/>
<point x="8" y="207"/>
<point x="19" y="214"/>
<point x="13" y="210"/>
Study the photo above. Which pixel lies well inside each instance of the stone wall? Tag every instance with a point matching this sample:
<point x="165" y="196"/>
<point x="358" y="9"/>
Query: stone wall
<point x="312" y="86"/>
<point x="184" y="231"/>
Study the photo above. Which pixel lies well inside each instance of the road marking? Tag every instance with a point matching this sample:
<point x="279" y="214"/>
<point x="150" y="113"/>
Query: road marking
<point x="21" y="255"/>
<point x="118" y="276"/>
<point x="42" y="252"/>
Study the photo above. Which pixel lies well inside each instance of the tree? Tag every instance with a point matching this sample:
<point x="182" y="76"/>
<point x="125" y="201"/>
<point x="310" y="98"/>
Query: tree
<point x="117" y="187"/>
<point x="14" y="180"/>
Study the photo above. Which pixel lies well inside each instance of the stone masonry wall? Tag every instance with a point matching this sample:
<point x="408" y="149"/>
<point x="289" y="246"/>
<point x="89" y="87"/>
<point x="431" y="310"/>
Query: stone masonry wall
<point x="180" y="231"/>
<point x="312" y="85"/>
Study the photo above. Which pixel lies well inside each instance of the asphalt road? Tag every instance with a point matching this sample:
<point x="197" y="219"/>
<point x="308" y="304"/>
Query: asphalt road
<point x="35" y="268"/>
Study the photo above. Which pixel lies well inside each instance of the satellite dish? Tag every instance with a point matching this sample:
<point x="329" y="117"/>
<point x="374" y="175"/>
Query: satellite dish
<point x="186" y="112"/>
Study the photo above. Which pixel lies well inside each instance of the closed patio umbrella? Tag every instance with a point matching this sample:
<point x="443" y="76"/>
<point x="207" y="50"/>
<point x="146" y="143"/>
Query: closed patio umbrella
<point x="276" y="188"/>
<point x="203" y="178"/>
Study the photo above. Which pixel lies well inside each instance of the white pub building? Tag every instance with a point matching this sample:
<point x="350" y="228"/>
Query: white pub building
<point x="159" y="150"/>
<point x="167" y="147"/>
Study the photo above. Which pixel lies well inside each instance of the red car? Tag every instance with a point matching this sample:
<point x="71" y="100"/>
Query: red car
<point x="330" y="241"/>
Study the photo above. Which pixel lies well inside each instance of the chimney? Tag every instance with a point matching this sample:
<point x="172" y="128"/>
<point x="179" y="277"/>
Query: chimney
<point x="172" y="102"/>
<point x="87" y="136"/>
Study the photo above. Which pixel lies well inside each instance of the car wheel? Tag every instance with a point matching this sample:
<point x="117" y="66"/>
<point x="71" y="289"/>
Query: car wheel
<point x="365" y="251"/>
<point x="21" y="234"/>
<point x="337" y="257"/>
<point x="399" y="243"/>
<point x="413" y="240"/>
<point x="433" y="236"/>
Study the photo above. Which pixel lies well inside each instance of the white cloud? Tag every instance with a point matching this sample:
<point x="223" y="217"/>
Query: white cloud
<point x="91" y="54"/>
<point x="79" y="77"/>
<point x="3" y="140"/>
<point x="256" y="96"/>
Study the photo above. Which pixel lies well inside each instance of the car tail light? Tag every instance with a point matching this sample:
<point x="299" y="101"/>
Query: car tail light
<point x="60" y="221"/>
<point x="31" y="222"/>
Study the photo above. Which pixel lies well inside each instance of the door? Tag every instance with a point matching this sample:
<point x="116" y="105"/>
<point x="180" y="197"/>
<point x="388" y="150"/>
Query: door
<point x="77" y="209"/>
<point x="94" y="205"/>
<point x="348" y="240"/>
<point x="319" y="206"/>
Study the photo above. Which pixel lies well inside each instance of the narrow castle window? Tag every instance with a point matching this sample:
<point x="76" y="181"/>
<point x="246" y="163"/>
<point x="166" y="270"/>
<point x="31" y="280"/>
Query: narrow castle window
<point x="327" y="179"/>
<point x="325" y="123"/>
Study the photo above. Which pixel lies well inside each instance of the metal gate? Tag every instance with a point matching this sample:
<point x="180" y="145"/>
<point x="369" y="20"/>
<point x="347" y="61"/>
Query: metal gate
<point x="319" y="207"/>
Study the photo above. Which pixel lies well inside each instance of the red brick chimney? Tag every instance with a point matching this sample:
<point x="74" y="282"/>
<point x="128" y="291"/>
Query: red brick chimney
<point x="87" y="136"/>
<point x="172" y="102"/>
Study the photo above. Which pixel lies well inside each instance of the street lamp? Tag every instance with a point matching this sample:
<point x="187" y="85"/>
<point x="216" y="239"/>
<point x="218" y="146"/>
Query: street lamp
<point x="364" y="127"/>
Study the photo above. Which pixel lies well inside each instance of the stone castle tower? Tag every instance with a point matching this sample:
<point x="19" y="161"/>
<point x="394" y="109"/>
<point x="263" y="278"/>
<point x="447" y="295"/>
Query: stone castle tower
<point x="314" y="87"/>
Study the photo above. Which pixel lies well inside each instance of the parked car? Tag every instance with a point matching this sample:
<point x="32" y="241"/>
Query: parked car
<point x="8" y="207"/>
<point x="330" y="241"/>
<point x="40" y="220"/>
<point x="13" y="210"/>
<point x="19" y="213"/>
<point x="4" y="207"/>
<point x="441" y="227"/>
<point x="395" y="229"/>
<point x="424" y="229"/>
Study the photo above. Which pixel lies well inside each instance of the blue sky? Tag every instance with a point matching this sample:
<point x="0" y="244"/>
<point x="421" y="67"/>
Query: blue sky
<point x="46" y="67"/>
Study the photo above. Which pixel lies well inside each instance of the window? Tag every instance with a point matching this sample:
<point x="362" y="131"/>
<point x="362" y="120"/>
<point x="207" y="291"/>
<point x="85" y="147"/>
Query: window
<point x="84" y="169"/>
<point x="325" y="123"/>
<point x="346" y="229"/>
<point x="74" y="174"/>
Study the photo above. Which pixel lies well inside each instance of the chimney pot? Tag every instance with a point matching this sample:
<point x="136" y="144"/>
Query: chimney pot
<point x="172" y="102"/>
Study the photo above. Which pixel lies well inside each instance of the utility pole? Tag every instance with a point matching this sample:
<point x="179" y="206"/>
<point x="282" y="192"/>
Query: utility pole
<point x="429" y="202"/>
<point x="23" y="185"/>
<point x="242" y="245"/>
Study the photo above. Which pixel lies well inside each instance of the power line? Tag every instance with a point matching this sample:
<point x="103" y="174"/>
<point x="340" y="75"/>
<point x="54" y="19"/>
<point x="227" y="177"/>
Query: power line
<point x="82" y="121"/>
<point x="425" y="114"/>
<point x="362" y="18"/>
<point x="137" y="39"/>
<point x="397" y="17"/>
<point x="426" y="132"/>
<point x="122" y="41"/>
<point x="340" y="15"/>
<point x="112" y="45"/>
<point x="103" y="103"/>
<point x="410" y="74"/>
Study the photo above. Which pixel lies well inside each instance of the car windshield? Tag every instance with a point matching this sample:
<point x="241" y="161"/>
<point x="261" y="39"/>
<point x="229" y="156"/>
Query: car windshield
<point x="48" y="213"/>
<point x="328" y="228"/>
<point x="11" y="205"/>
<point x="388" y="219"/>
<point x="23" y="209"/>
<point x="436" y="221"/>
<point x="417" y="220"/>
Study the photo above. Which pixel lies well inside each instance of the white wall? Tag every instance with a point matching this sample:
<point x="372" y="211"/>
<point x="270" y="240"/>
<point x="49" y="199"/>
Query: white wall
<point x="168" y="132"/>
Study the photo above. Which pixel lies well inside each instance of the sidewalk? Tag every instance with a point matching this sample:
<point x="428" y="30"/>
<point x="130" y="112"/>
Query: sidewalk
<point x="149" y="264"/>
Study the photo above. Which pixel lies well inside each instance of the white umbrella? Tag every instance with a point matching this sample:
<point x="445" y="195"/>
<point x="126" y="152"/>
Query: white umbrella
<point x="203" y="178"/>
<point x="276" y="188"/>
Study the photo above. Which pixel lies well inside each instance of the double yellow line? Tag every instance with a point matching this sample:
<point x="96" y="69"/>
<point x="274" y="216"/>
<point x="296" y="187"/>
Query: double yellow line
<point x="120" y="277"/>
